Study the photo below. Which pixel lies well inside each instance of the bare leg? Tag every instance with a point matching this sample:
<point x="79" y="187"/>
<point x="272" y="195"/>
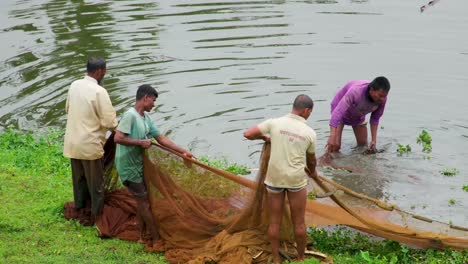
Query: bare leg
<point x="297" y="205"/>
<point x="144" y="212"/>
<point x="360" y="132"/>
<point x="275" y="203"/>
<point x="141" y="226"/>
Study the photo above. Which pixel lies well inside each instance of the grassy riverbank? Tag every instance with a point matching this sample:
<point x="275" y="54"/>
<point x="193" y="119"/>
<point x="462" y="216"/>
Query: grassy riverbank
<point x="35" y="183"/>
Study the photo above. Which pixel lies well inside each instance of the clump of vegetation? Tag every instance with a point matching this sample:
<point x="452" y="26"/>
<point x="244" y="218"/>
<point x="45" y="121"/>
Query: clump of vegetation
<point x="449" y="172"/>
<point x="311" y="195"/>
<point x="223" y="164"/>
<point x="452" y="201"/>
<point x="346" y="246"/>
<point x="425" y="140"/>
<point x="403" y="149"/>
<point x="465" y="188"/>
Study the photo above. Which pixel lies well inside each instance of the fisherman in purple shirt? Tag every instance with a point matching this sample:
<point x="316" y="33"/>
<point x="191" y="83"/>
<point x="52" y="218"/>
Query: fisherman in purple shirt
<point x="350" y="106"/>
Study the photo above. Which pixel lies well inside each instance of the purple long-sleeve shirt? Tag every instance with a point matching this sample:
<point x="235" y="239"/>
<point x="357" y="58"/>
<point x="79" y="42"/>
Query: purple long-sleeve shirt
<point x="352" y="103"/>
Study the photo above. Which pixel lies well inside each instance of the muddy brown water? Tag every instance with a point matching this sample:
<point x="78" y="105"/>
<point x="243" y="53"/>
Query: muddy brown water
<point x="222" y="66"/>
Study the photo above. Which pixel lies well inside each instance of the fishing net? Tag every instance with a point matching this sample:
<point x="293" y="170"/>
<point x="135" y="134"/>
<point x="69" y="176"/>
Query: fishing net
<point x="209" y="215"/>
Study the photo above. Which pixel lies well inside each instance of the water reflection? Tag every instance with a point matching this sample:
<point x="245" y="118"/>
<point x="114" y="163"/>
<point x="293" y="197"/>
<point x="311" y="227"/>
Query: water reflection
<point x="223" y="66"/>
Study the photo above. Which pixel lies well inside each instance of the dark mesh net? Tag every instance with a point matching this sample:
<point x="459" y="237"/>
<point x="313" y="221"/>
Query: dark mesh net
<point x="206" y="214"/>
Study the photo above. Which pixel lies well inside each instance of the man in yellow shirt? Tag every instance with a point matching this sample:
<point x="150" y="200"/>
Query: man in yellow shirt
<point x="89" y="115"/>
<point x="292" y="150"/>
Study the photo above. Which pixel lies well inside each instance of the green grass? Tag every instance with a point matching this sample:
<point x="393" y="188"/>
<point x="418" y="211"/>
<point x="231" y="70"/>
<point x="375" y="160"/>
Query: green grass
<point x="354" y="248"/>
<point x="222" y="163"/>
<point x="35" y="183"/>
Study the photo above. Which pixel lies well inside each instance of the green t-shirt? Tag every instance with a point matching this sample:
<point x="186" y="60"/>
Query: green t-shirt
<point x="129" y="159"/>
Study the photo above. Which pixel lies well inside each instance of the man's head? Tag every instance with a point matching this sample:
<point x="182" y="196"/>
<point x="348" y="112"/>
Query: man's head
<point x="96" y="68"/>
<point x="146" y="96"/>
<point x="378" y="89"/>
<point x="303" y="106"/>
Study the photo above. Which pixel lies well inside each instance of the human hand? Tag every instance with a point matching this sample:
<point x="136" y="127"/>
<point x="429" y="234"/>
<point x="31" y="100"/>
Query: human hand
<point x="145" y="143"/>
<point x="187" y="154"/>
<point x="332" y="146"/>
<point x="372" y="149"/>
<point x="313" y="175"/>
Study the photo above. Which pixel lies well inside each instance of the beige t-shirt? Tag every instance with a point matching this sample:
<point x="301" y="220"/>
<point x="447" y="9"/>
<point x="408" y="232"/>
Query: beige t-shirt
<point x="291" y="138"/>
<point x="89" y="115"/>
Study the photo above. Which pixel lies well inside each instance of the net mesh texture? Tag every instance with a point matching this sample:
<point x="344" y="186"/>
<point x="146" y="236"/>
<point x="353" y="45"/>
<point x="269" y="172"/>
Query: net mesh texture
<point x="209" y="215"/>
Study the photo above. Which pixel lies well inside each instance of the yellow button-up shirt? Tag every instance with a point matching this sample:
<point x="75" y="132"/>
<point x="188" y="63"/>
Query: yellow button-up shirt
<point x="89" y="115"/>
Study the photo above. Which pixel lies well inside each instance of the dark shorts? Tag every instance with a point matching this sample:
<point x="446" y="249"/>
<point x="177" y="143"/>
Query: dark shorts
<point x="136" y="189"/>
<point x="272" y="189"/>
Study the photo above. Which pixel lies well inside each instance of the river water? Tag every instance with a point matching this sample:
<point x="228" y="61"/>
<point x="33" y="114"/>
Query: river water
<point x="223" y="66"/>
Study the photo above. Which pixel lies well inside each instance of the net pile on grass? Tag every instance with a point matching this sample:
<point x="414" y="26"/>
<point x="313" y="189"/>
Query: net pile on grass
<point x="206" y="214"/>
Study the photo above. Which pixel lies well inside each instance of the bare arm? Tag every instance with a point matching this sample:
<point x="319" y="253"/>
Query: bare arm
<point x="331" y="144"/>
<point x="311" y="162"/>
<point x="255" y="133"/>
<point x="166" y="142"/>
<point x="373" y="129"/>
<point x="123" y="139"/>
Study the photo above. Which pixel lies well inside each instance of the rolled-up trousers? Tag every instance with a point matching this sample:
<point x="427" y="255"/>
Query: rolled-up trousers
<point x="88" y="184"/>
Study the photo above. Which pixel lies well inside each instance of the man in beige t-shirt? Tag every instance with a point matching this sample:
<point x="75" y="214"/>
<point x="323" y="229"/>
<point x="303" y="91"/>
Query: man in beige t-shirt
<point x="292" y="150"/>
<point x="89" y="115"/>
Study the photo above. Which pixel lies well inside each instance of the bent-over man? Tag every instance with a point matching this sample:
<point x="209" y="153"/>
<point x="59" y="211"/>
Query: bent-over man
<point x="350" y="106"/>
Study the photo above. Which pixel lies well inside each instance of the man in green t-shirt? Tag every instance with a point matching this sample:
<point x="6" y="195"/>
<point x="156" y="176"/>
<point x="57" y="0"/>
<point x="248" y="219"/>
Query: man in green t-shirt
<point x="132" y="136"/>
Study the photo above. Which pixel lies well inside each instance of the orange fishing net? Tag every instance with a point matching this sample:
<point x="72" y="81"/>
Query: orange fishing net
<point x="209" y="215"/>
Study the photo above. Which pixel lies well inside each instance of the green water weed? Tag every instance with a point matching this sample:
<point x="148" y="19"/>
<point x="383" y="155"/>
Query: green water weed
<point x="449" y="172"/>
<point x="425" y="140"/>
<point x="401" y="149"/>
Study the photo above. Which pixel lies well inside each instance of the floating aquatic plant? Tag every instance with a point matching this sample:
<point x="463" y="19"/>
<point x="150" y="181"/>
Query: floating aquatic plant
<point x="403" y="149"/>
<point x="449" y="172"/>
<point x="425" y="140"/>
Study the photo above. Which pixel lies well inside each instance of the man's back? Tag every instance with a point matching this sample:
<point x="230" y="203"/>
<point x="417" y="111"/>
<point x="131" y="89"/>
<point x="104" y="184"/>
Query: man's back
<point x="291" y="138"/>
<point x="89" y="114"/>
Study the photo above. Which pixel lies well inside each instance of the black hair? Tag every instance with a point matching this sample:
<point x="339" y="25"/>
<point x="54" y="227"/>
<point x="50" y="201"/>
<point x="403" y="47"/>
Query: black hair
<point x="303" y="101"/>
<point x="95" y="63"/>
<point x="146" y="89"/>
<point x="380" y="83"/>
